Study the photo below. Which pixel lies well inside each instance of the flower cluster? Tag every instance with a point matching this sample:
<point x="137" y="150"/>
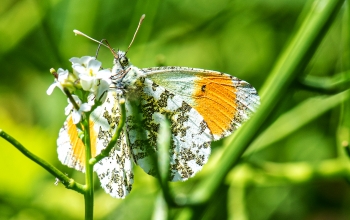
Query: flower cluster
<point x="88" y="77"/>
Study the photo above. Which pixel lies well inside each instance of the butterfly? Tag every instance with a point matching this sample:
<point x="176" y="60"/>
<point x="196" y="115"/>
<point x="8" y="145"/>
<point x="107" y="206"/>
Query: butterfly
<point x="202" y="106"/>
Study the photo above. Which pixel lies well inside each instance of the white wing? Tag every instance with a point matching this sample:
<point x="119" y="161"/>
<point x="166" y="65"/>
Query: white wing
<point x="190" y="144"/>
<point x="224" y="101"/>
<point x="114" y="171"/>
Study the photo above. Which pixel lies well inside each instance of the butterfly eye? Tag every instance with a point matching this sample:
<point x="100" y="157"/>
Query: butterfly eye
<point x="124" y="61"/>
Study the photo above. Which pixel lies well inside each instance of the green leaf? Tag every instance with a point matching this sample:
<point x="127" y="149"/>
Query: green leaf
<point x="295" y="119"/>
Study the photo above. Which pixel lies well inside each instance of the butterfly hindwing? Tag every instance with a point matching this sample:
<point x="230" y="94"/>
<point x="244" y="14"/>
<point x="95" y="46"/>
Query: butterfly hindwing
<point x="190" y="143"/>
<point x="115" y="170"/>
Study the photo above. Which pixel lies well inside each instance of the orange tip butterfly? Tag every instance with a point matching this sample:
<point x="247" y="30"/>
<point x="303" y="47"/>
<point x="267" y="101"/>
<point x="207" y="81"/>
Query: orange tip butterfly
<point x="202" y="106"/>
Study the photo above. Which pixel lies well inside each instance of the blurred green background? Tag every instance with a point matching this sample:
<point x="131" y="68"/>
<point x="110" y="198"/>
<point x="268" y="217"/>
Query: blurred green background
<point x="275" y="180"/>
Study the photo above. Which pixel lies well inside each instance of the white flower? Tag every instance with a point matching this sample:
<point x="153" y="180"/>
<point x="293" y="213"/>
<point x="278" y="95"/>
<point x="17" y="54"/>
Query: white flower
<point x="76" y="114"/>
<point x="91" y="99"/>
<point x="102" y="88"/>
<point x="84" y="65"/>
<point x="62" y="75"/>
<point x="91" y="77"/>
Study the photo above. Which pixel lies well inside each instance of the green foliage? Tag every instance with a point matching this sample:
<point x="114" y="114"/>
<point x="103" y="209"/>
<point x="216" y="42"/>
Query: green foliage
<point x="295" y="166"/>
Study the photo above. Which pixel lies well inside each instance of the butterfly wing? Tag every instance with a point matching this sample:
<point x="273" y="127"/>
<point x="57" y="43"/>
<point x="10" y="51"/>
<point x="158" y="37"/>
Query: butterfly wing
<point x="224" y="101"/>
<point x="146" y="106"/>
<point x="114" y="171"/>
<point x="70" y="147"/>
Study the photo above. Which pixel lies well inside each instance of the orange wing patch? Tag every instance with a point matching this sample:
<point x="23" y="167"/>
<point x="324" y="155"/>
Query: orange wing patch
<point x="215" y="97"/>
<point x="78" y="147"/>
<point x="93" y="138"/>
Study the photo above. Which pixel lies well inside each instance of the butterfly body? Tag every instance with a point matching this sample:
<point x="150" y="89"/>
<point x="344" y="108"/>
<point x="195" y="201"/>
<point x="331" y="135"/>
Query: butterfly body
<point x="202" y="106"/>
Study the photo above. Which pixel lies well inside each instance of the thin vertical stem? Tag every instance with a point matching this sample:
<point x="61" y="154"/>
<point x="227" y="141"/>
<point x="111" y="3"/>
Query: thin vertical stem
<point x="343" y="134"/>
<point x="89" y="182"/>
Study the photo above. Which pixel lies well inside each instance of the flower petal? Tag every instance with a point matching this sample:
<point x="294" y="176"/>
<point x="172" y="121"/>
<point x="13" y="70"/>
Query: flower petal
<point x="81" y="70"/>
<point x="91" y="99"/>
<point x="74" y="60"/>
<point x="104" y="86"/>
<point x="76" y="116"/>
<point x="76" y="99"/>
<point x="104" y="74"/>
<point x="85" y="60"/>
<point x="85" y="107"/>
<point x="68" y="109"/>
<point x="51" y="88"/>
<point x="62" y="75"/>
<point x="86" y="82"/>
<point x="94" y="65"/>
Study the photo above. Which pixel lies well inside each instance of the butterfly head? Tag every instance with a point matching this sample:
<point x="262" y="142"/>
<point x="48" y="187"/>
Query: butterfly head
<point x="121" y="59"/>
<point x="120" y="62"/>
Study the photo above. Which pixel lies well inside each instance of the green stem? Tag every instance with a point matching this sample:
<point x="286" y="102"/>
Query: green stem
<point x="105" y="152"/>
<point x="321" y="105"/>
<point x="292" y="63"/>
<point x="65" y="180"/>
<point x="334" y="84"/>
<point x="343" y="133"/>
<point x="89" y="181"/>
<point x="71" y="99"/>
<point x="163" y="161"/>
<point x="302" y="172"/>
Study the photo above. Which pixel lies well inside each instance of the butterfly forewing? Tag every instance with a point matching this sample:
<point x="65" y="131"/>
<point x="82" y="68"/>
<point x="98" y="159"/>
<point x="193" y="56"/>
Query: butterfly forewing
<point x="224" y="101"/>
<point x="71" y="150"/>
<point x="115" y="170"/>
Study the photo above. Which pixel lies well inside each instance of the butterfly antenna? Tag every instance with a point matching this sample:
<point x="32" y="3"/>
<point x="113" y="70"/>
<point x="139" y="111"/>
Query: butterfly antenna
<point x="98" y="48"/>
<point x="137" y="29"/>
<point x="99" y="42"/>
